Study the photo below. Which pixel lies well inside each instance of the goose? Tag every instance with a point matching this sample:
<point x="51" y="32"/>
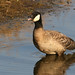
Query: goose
<point x="49" y="41"/>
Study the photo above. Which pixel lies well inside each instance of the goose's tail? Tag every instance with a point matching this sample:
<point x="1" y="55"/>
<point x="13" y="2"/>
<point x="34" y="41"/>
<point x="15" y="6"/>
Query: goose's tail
<point x="71" y="46"/>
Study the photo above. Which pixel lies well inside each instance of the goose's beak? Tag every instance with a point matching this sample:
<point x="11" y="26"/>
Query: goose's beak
<point x="29" y="19"/>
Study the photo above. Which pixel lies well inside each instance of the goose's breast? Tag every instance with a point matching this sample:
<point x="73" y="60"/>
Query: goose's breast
<point x="50" y="45"/>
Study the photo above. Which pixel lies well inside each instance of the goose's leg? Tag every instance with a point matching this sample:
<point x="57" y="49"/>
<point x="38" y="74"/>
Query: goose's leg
<point x="60" y="53"/>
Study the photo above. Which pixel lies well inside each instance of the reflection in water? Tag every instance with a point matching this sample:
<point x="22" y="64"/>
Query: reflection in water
<point x="54" y="65"/>
<point x="14" y="32"/>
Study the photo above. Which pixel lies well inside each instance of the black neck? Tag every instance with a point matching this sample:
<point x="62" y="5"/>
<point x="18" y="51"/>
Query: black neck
<point x="38" y="24"/>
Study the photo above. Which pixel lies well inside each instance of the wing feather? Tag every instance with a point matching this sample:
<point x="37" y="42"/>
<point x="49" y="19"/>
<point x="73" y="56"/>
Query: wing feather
<point x="67" y="42"/>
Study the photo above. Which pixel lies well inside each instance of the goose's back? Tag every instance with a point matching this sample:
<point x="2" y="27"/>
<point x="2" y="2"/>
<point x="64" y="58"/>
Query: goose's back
<point x="67" y="42"/>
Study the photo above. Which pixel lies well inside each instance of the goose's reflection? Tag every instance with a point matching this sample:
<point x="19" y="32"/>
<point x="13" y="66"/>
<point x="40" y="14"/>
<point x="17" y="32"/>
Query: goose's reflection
<point x="54" y="65"/>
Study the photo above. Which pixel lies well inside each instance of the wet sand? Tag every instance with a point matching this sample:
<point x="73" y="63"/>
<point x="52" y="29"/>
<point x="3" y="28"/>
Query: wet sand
<point x="10" y="9"/>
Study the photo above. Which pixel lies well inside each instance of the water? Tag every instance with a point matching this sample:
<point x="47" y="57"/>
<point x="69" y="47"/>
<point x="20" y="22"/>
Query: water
<point x="18" y="55"/>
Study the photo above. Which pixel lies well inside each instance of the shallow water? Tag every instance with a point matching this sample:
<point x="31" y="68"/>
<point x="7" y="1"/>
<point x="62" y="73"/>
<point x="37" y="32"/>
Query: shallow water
<point x="18" y="55"/>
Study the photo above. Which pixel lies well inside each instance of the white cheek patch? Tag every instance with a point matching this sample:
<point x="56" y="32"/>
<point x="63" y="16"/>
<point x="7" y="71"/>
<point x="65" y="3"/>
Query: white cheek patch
<point x="36" y="18"/>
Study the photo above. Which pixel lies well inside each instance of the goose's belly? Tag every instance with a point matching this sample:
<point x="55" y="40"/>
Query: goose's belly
<point x="49" y="47"/>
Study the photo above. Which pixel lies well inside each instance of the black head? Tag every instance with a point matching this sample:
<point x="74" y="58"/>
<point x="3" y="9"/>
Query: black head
<point x="36" y="16"/>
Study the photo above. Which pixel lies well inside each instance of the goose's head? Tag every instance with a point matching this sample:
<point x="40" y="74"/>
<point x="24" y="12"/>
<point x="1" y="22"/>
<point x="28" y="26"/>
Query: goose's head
<point x="35" y="16"/>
